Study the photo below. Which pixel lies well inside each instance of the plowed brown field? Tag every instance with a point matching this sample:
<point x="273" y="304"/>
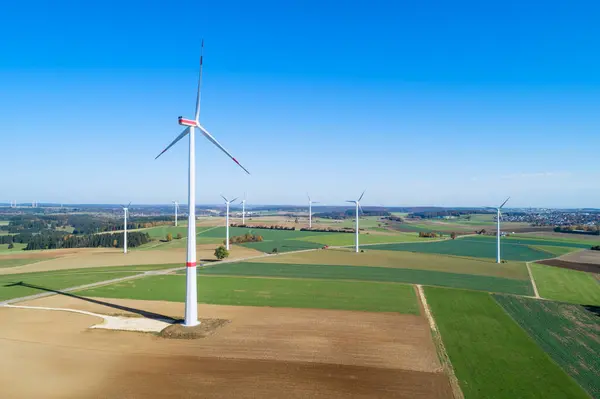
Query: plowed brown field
<point x="263" y="352"/>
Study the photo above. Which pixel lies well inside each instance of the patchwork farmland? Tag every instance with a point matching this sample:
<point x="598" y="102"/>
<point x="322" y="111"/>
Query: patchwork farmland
<point x="296" y="315"/>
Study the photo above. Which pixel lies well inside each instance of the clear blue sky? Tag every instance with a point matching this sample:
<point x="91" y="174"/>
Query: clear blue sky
<point x="450" y="103"/>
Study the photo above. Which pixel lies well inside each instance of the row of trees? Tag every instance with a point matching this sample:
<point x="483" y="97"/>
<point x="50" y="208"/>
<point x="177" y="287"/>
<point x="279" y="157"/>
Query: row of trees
<point x="54" y="241"/>
<point x="271" y="227"/>
<point x="245" y="238"/>
<point x="426" y="234"/>
<point x="580" y="229"/>
<point x="329" y="230"/>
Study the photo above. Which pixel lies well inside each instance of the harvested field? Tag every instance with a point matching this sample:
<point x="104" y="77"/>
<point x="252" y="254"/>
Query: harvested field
<point x="582" y="267"/>
<point x="263" y="352"/>
<point x="563" y="236"/>
<point x="84" y="258"/>
<point x="587" y="256"/>
<point x="404" y="260"/>
<point x="570" y="334"/>
<point x="492" y="356"/>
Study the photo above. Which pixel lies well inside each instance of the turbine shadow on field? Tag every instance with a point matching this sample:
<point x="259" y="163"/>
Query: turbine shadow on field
<point x="592" y="309"/>
<point x="143" y="313"/>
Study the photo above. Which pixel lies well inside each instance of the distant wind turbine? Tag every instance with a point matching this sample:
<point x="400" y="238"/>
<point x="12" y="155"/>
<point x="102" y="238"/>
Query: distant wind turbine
<point x="176" y="207"/>
<point x="310" y="202"/>
<point x="244" y="209"/>
<point x="191" y="305"/>
<point x="498" y="217"/>
<point x="227" y="202"/>
<point x="125" y="211"/>
<point x="357" y="203"/>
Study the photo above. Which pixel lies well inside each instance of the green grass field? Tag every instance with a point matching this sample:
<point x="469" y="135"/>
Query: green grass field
<point x="566" y="285"/>
<point x="365" y="273"/>
<point x="533" y="241"/>
<point x="4" y="222"/>
<point x="347" y="239"/>
<point x="346" y="295"/>
<point x="365" y="222"/>
<point x="568" y="333"/>
<point x="491" y="355"/>
<point x="17" y="248"/>
<point x="470" y="247"/>
<point x="405" y="260"/>
<point x="61" y="279"/>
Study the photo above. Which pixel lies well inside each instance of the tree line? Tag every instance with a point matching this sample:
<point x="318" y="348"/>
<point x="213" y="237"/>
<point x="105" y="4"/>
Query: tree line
<point x="113" y="240"/>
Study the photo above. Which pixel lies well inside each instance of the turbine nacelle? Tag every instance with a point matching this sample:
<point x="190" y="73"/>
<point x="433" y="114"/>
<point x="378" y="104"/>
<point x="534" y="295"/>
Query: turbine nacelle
<point x="187" y="122"/>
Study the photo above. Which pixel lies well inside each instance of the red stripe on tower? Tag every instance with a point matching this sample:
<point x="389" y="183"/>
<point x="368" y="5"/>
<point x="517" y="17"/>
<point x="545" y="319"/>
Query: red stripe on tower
<point x="191" y="264"/>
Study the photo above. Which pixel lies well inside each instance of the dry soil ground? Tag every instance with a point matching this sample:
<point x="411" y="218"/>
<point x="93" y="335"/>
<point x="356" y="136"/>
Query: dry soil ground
<point x="263" y="352"/>
<point x="92" y="257"/>
<point x="586" y="261"/>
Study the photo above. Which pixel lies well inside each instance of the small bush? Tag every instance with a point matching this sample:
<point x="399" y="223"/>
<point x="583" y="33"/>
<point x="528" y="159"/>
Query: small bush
<point x="178" y="236"/>
<point x="595" y="247"/>
<point x="274" y="251"/>
<point x="221" y="253"/>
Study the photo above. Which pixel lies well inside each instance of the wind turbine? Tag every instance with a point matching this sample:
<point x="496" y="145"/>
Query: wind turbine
<point x="227" y="202"/>
<point x="499" y="215"/>
<point x="176" y="207"/>
<point x="310" y="210"/>
<point x="191" y="302"/>
<point x="125" y="211"/>
<point x="244" y="210"/>
<point x="357" y="203"/>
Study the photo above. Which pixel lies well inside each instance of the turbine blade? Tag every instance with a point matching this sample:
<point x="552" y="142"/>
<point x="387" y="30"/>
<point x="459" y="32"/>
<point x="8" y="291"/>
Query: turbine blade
<point x="233" y="200"/>
<point x="128" y="204"/>
<point x="222" y="196"/>
<point x="215" y="142"/>
<point x="504" y="203"/>
<point x="308" y="197"/>
<point x="360" y="208"/>
<point x="354" y="202"/>
<point x="197" y="115"/>
<point x="182" y="135"/>
<point x="363" y="193"/>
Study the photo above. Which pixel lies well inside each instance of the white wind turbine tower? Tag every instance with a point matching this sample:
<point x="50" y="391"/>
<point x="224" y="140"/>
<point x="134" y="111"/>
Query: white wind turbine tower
<point x="498" y="216"/>
<point x="191" y="302"/>
<point x="310" y="210"/>
<point x="244" y="210"/>
<point x="176" y="208"/>
<point x="125" y="212"/>
<point x="227" y="202"/>
<point x="357" y="203"/>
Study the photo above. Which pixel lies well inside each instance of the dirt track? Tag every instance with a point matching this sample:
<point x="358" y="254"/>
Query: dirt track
<point x="263" y="352"/>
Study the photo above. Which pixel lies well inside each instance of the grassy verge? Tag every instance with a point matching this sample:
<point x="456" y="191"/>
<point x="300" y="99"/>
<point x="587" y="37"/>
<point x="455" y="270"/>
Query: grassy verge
<point x="347" y="295"/>
<point x="566" y="285"/>
<point x="364" y="273"/>
<point x="565" y="332"/>
<point x="492" y="356"/>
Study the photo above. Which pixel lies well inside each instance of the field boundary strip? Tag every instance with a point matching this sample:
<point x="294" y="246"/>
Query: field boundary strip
<point x="439" y="344"/>
<point x="535" y="290"/>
